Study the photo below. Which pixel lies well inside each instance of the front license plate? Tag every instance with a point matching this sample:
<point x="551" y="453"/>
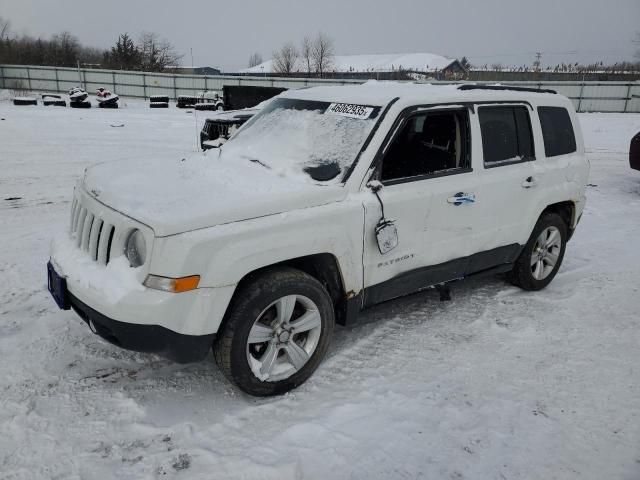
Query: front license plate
<point x="57" y="287"/>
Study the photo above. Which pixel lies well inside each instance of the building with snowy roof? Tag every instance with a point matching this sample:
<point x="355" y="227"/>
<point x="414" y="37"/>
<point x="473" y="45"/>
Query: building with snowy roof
<point x="427" y="64"/>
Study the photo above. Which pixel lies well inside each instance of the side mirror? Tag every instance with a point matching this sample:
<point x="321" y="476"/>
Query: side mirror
<point x="375" y="186"/>
<point x="386" y="231"/>
<point x="386" y="235"/>
<point x="634" y="152"/>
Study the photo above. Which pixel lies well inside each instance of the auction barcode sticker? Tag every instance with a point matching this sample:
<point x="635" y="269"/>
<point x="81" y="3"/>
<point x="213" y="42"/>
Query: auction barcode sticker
<point x="349" y="110"/>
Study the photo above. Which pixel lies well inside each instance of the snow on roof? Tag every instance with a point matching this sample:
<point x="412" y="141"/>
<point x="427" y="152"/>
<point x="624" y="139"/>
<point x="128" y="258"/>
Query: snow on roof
<point x="384" y="62"/>
<point x="381" y="93"/>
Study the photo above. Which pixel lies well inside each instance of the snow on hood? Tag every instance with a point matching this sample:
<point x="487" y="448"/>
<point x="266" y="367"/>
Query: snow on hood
<point x="201" y="191"/>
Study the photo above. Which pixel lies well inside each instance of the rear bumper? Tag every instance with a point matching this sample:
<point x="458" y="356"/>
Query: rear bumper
<point x="145" y="338"/>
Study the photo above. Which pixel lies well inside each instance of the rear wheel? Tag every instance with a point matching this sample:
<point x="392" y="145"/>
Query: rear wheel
<point x="542" y="256"/>
<point x="277" y="332"/>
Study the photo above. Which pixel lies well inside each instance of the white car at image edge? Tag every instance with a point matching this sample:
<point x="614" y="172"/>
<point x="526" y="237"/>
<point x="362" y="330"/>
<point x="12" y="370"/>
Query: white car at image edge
<point x="328" y="201"/>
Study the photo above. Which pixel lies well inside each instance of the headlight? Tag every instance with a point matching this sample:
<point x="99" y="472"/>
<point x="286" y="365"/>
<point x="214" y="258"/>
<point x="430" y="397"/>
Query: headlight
<point x="136" y="249"/>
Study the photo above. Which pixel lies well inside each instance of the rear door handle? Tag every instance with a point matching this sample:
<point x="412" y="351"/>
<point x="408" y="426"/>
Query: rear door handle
<point x="461" y="198"/>
<point x="529" y="182"/>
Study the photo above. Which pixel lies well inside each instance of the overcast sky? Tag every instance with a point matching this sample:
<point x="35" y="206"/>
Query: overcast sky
<point x="225" y="33"/>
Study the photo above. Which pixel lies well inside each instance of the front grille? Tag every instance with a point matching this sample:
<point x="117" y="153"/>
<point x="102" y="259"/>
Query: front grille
<point x="91" y="233"/>
<point x="215" y="130"/>
<point x="222" y="128"/>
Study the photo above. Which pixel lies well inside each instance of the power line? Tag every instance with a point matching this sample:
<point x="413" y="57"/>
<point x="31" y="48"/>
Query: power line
<point x="547" y="53"/>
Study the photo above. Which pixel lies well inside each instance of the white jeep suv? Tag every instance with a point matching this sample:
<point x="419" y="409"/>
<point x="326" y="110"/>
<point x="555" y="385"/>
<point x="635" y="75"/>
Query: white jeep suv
<point x="328" y="201"/>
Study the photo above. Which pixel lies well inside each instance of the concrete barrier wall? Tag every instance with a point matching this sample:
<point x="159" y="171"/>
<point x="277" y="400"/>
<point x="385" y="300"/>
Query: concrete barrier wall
<point x="586" y="96"/>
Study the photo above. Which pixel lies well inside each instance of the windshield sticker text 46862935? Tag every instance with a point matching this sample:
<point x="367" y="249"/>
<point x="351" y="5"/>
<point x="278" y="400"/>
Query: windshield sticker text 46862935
<point x="350" y="110"/>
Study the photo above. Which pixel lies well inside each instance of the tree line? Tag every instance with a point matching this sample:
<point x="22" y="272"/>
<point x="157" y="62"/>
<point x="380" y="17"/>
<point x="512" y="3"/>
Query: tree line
<point x="149" y="53"/>
<point x="314" y="57"/>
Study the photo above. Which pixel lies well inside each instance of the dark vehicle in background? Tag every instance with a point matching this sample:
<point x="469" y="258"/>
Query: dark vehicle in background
<point x="207" y="100"/>
<point x="218" y="128"/>
<point x="237" y="97"/>
<point x="634" y="152"/>
<point x="242" y="103"/>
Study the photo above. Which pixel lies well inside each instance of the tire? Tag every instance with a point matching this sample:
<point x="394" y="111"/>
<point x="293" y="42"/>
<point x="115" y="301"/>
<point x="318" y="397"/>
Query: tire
<point x="80" y="104"/>
<point x="220" y="108"/>
<point x="542" y="256"/>
<point x="25" y="101"/>
<point x="254" y="310"/>
<point x="159" y="105"/>
<point x="55" y="103"/>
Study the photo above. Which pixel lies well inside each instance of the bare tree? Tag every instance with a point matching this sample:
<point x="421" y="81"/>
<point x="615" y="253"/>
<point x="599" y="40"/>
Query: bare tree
<point x="255" y="59"/>
<point x="285" y="59"/>
<point x="307" y="53"/>
<point x="66" y="48"/>
<point x="322" y="54"/>
<point x="636" y="41"/>
<point x="157" y="53"/>
<point x="62" y="49"/>
<point x="5" y="28"/>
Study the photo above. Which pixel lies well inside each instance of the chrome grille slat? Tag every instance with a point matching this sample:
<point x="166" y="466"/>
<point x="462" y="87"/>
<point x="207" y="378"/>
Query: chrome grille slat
<point x="76" y="216"/>
<point x="80" y="227"/>
<point x="74" y="205"/>
<point x="86" y="230"/>
<point x="95" y="237"/>
<point x="103" y="244"/>
<point x="112" y="235"/>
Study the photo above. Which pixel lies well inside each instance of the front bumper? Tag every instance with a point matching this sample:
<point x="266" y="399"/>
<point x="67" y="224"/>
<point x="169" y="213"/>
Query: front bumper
<point x="144" y="338"/>
<point x="117" y="292"/>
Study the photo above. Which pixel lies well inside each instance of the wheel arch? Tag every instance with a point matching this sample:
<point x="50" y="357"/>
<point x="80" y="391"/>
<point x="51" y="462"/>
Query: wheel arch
<point x="567" y="211"/>
<point x="325" y="268"/>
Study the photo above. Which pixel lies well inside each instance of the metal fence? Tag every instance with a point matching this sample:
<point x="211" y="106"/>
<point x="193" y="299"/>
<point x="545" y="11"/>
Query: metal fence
<point x="586" y="96"/>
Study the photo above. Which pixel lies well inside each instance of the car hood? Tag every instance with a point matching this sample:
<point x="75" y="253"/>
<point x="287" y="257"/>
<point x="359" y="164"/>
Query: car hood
<point x="201" y="191"/>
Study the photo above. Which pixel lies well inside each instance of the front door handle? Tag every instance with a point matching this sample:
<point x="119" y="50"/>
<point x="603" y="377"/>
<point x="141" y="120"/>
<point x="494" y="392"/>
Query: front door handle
<point x="461" y="198"/>
<point x="529" y="182"/>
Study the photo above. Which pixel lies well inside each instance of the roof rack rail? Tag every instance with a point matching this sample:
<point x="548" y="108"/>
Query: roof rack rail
<point x="473" y="86"/>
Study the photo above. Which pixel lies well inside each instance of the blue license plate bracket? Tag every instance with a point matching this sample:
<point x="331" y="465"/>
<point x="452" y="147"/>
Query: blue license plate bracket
<point x="57" y="286"/>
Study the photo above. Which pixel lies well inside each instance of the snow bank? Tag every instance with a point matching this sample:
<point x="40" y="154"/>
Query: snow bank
<point x="113" y="281"/>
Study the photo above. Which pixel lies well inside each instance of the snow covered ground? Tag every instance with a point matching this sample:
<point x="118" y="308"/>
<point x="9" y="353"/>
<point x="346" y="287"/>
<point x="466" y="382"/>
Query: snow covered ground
<point x="497" y="384"/>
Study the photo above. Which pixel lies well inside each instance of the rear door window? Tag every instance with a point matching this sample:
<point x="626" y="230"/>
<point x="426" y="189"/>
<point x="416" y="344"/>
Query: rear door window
<point x="506" y="135"/>
<point x="557" y="131"/>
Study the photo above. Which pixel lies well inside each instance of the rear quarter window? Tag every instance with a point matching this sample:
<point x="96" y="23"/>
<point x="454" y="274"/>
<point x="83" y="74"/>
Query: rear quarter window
<point x="557" y="131"/>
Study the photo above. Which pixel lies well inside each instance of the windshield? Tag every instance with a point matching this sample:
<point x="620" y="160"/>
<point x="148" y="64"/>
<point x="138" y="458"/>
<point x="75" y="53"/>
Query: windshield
<point x="319" y="140"/>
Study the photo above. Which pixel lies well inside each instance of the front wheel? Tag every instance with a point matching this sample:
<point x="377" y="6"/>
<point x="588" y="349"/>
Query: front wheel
<point x="276" y="333"/>
<point x="542" y="256"/>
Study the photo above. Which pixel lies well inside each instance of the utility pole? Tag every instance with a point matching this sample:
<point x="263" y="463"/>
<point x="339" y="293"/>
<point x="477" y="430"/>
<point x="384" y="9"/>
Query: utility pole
<point x="191" y="50"/>
<point x="537" y="62"/>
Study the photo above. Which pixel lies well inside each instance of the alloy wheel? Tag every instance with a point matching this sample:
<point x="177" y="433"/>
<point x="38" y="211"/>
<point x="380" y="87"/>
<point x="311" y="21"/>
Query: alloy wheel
<point x="546" y="252"/>
<point x="283" y="338"/>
